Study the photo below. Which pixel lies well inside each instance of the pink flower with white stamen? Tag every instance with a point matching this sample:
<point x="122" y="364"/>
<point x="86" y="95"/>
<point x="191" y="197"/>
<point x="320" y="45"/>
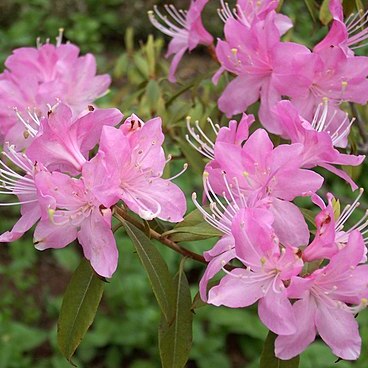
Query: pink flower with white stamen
<point x="50" y="73"/>
<point x="249" y="11"/>
<point x="75" y="213"/>
<point x="63" y="142"/>
<point x="268" y="265"/>
<point x="319" y="137"/>
<point x="331" y="235"/>
<point x="328" y="300"/>
<point x="186" y="29"/>
<point x="23" y="186"/>
<point x="348" y="34"/>
<point x="133" y="164"/>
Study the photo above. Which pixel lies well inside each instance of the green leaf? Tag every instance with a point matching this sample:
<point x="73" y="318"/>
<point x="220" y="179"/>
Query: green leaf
<point x="311" y="5"/>
<point x="79" y="307"/>
<point x="175" y="337"/>
<point x="156" y="268"/>
<point x="268" y="359"/>
<point x="193" y="227"/>
<point x="324" y="13"/>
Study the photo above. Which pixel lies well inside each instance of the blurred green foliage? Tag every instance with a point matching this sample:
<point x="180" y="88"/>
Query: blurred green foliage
<point x="124" y="333"/>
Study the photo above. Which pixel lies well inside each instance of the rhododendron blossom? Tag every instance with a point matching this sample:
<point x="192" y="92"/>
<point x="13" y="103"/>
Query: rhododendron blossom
<point x="50" y="73"/>
<point x="24" y="187"/>
<point x="319" y="137"/>
<point x="63" y="142"/>
<point x="258" y="58"/>
<point x="331" y="234"/>
<point x="133" y="165"/>
<point x="185" y="28"/>
<point x="327" y="302"/>
<point x="347" y="35"/>
<point x="80" y="173"/>
<point x="250" y="11"/>
<point x="267" y="266"/>
<point x="268" y="174"/>
<point x="74" y="212"/>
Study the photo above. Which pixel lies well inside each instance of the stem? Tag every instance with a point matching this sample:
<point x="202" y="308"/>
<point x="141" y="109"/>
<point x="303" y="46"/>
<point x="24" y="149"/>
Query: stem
<point x="122" y="216"/>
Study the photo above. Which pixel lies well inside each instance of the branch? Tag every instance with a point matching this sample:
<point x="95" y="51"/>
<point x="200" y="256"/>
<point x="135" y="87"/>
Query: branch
<point x="122" y="216"/>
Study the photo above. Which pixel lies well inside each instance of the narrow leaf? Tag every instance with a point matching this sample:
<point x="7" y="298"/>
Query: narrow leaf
<point x="193" y="227"/>
<point x="175" y="338"/>
<point x="156" y="268"/>
<point x="79" y="307"/>
<point x="268" y="359"/>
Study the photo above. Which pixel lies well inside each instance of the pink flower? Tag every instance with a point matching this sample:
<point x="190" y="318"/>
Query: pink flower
<point x="133" y="165"/>
<point x="257" y="58"/>
<point x="221" y="215"/>
<point x="236" y="133"/>
<point x="347" y="36"/>
<point x="331" y="235"/>
<point x="319" y="137"/>
<point x="329" y="74"/>
<point x="75" y="213"/>
<point x="185" y="28"/>
<point x="23" y="186"/>
<point x="328" y="300"/>
<point x="251" y="11"/>
<point x="267" y="266"/>
<point x="63" y="142"/>
<point x="268" y="175"/>
<point x="38" y="77"/>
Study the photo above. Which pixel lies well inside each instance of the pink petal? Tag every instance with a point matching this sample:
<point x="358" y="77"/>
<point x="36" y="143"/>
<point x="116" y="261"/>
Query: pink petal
<point x="98" y="243"/>
<point x="276" y="312"/>
<point x="339" y="330"/>
<point x="287" y="347"/>
<point x="240" y="93"/>
<point x="289" y="223"/>
<point x="213" y="267"/>
<point x="235" y="291"/>
<point x="48" y="235"/>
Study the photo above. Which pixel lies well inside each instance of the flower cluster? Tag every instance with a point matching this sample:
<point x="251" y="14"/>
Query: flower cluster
<point x="70" y="164"/>
<point x="250" y="184"/>
<point x="250" y="200"/>
<point x="49" y="165"/>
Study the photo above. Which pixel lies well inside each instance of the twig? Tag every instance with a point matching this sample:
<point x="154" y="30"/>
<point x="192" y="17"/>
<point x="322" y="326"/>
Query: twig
<point x="122" y="216"/>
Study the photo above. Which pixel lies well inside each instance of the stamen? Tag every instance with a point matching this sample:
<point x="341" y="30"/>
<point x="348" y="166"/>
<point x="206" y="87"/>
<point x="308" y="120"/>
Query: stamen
<point x="225" y="12"/>
<point x="347" y="211"/>
<point x="32" y="132"/>
<point x="206" y="149"/>
<point x="185" y="166"/>
<point x="210" y="219"/>
<point x="168" y="27"/>
<point x="59" y="38"/>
